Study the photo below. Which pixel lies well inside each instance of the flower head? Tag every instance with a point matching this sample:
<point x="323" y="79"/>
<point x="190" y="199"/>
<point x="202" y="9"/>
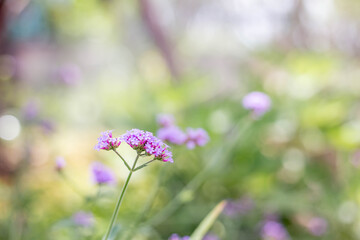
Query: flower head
<point x="84" y="219"/>
<point x="102" y="174"/>
<point x="258" y="102"/>
<point x="273" y="230"/>
<point x="177" y="237"/>
<point x="172" y="134"/>
<point x="317" y="226"/>
<point x="165" y="120"/>
<point x="106" y="141"/>
<point x="196" y="137"/>
<point x="145" y="141"/>
<point x="60" y="163"/>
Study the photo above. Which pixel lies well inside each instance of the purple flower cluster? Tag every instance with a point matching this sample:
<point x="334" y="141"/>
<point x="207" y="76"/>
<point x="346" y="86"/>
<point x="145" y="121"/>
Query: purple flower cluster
<point x="83" y="219"/>
<point x="196" y="137"/>
<point x="238" y="207"/>
<point x="258" y="102"/>
<point x="177" y="237"/>
<point x="273" y="230"/>
<point x="146" y="141"/>
<point x="107" y="142"/>
<point x="173" y="134"/>
<point x="60" y="163"/>
<point x="317" y="226"/>
<point x="101" y="174"/>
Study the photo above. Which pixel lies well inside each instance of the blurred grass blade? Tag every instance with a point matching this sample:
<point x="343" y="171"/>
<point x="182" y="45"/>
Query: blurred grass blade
<point x="207" y="222"/>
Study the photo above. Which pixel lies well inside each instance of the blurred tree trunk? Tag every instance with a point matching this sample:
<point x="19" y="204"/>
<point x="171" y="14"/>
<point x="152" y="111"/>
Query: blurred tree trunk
<point x="149" y="17"/>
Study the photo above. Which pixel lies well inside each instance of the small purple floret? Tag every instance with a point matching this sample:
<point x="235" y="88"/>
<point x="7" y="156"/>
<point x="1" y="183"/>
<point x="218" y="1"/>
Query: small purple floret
<point x="258" y="102"/>
<point x="107" y="142"/>
<point x="172" y="134"/>
<point x="177" y="237"/>
<point x="196" y="137"/>
<point x="145" y="141"/>
<point x="273" y="230"/>
<point x="102" y="174"/>
<point x="60" y="163"/>
<point x="83" y="219"/>
<point x="165" y="120"/>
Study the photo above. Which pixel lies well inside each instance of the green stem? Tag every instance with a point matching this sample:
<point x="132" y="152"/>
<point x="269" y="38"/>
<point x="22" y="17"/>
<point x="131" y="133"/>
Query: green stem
<point x="117" y="207"/>
<point x="147" y="206"/>
<point x="127" y="165"/>
<point x="72" y="185"/>
<point x="144" y="165"/>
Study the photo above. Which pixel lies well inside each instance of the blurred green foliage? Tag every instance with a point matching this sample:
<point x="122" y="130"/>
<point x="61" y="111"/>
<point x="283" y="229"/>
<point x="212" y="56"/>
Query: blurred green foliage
<point x="95" y="65"/>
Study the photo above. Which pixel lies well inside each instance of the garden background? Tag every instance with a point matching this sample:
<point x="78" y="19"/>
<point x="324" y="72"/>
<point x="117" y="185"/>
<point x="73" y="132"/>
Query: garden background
<point x="70" y="69"/>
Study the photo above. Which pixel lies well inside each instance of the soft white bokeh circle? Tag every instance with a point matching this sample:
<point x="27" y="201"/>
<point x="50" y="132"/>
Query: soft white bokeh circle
<point x="9" y="127"/>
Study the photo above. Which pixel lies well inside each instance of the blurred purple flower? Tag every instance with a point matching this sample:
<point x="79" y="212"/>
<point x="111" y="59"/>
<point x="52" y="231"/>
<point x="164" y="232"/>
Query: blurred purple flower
<point x="238" y="207"/>
<point x="70" y="74"/>
<point x="60" y="163"/>
<point x="102" y="174"/>
<point x="83" y="219"/>
<point x="48" y="126"/>
<point x="31" y="110"/>
<point x="107" y="142"/>
<point x="165" y="120"/>
<point x="196" y="137"/>
<point x="317" y="226"/>
<point x="146" y="141"/>
<point x="258" y="102"/>
<point x="177" y="237"/>
<point x="273" y="230"/>
<point x="172" y="134"/>
<point x="211" y="237"/>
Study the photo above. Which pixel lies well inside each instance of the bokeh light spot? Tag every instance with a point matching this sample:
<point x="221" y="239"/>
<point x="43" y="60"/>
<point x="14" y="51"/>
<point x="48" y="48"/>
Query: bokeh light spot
<point x="9" y="127"/>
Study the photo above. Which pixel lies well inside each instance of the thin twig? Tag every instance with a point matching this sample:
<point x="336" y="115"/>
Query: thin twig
<point x="126" y="164"/>
<point x="144" y="165"/>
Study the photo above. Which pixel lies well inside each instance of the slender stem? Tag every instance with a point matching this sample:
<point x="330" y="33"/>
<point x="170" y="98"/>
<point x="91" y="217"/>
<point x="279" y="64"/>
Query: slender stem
<point x="127" y="165"/>
<point x="147" y="206"/>
<point x="134" y="165"/>
<point x="92" y="200"/>
<point x="71" y="184"/>
<point x="144" y="165"/>
<point x="117" y="207"/>
<point x="98" y="192"/>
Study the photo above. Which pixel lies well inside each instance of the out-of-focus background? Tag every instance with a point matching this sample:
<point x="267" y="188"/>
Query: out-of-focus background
<point x="70" y="69"/>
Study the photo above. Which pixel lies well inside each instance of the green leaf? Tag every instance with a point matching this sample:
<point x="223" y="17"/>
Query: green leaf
<point x="207" y="222"/>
